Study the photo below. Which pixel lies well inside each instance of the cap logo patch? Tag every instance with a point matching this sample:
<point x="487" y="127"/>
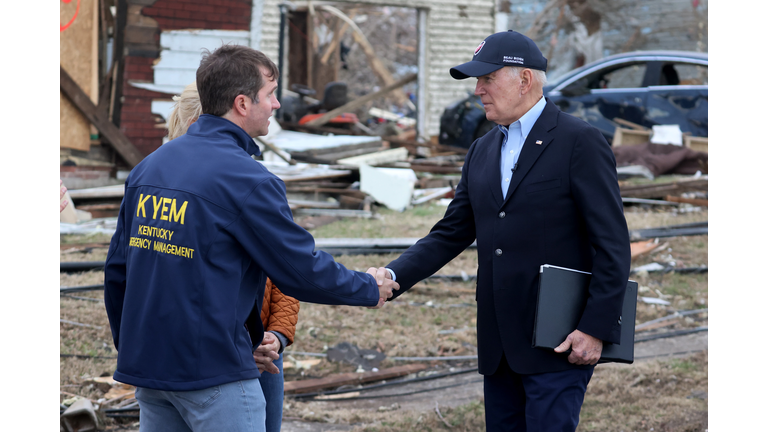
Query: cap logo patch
<point x="513" y="59"/>
<point x="479" y="47"/>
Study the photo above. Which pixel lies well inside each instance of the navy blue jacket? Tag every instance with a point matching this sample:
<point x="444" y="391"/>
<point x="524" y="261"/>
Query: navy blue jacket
<point x="563" y="207"/>
<point x="200" y="228"/>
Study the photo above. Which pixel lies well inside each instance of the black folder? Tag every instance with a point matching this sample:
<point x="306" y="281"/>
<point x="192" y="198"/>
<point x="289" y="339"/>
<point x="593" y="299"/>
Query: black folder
<point x="562" y="298"/>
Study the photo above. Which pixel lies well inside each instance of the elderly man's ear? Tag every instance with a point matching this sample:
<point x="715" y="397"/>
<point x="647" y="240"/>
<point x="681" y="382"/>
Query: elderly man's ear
<point x="526" y="81"/>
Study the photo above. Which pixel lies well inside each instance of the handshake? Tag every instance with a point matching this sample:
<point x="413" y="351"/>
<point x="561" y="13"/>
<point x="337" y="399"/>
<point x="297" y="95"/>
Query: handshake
<point x="385" y="282"/>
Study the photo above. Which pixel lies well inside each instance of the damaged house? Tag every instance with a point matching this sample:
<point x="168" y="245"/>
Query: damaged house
<point x="142" y="52"/>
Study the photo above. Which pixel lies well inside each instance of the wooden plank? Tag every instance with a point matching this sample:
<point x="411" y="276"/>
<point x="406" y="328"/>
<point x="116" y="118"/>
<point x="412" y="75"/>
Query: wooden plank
<point x="629" y="137"/>
<point x="629" y="124"/>
<point x="383" y="156"/>
<point x="700" y="144"/>
<point x="100" y="119"/>
<point x="352" y="378"/>
<point x="121" y="19"/>
<point x="694" y="201"/>
<point x="115" y="191"/>
<point x="77" y="52"/>
<point x="334" y="212"/>
<point x="314" y="176"/>
<point x="334" y="45"/>
<point x="641" y="248"/>
<point x="275" y="150"/>
<point x="332" y="191"/>
<point x="353" y="105"/>
<point x="294" y="203"/>
<point x="658" y="325"/>
<point x="660" y="190"/>
<point x="322" y="130"/>
<point x="436" y="169"/>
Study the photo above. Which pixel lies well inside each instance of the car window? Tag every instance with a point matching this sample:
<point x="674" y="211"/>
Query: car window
<point x="683" y="74"/>
<point x="627" y="77"/>
<point x="616" y="77"/>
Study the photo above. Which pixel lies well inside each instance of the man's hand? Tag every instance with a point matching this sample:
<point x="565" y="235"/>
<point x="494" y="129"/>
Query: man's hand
<point x="385" y="283"/>
<point x="585" y="349"/>
<point x="266" y="353"/>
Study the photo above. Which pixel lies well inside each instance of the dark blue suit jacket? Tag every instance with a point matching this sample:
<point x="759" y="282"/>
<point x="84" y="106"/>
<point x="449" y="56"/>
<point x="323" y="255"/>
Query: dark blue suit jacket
<point x="563" y="207"/>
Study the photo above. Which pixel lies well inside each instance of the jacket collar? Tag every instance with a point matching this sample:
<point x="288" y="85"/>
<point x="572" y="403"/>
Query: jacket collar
<point x="208" y="124"/>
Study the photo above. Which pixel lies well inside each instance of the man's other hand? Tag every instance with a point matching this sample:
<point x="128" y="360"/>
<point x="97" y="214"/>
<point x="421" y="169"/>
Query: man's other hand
<point x="585" y="349"/>
<point x="266" y="352"/>
<point x="385" y="283"/>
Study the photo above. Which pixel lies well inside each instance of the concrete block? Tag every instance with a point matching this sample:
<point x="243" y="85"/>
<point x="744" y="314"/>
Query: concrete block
<point x="80" y="417"/>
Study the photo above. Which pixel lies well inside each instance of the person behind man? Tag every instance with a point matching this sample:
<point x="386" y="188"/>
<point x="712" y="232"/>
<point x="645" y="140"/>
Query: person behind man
<point x="279" y="312"/>
<point x="200" y="224"/>
<point x="540" y="188"/>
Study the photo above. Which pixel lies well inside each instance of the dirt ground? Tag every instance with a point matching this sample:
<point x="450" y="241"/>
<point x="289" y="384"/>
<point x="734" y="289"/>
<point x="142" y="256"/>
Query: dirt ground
<point x="666" y="388"/>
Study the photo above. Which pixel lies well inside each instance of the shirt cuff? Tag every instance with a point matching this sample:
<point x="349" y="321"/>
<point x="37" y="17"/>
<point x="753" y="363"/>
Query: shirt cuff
<point x="392" y="273"/>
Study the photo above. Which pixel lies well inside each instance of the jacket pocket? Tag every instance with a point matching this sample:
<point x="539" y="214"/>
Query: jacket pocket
<point x="542" y="185"/>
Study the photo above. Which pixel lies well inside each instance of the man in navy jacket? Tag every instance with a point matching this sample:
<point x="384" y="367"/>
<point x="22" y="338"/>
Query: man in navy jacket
<point x="201" y="226"/>
<point x="540" y="188"/>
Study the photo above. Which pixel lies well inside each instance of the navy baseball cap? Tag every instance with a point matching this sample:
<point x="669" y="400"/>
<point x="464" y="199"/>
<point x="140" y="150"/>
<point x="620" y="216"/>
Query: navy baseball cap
<point x="508" y="48"/>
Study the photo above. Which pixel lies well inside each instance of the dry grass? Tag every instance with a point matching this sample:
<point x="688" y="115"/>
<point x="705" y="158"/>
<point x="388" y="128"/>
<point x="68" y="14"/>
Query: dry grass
<point x="663" y="394"/>
<point x="660" y="395"/>
<point x="667" y="395"/>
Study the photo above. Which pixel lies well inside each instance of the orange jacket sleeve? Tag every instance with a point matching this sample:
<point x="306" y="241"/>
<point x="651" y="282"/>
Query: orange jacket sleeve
<point x="279" y="312"/>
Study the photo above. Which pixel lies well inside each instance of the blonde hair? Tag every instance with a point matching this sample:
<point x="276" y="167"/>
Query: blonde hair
<point x="186" y="110"/>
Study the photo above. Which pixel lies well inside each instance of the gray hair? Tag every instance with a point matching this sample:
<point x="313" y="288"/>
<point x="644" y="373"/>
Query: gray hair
<point x="539" y="75"/>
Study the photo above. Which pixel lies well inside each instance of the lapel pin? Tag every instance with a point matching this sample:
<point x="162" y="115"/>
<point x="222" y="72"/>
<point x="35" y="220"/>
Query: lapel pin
<point x="538" y="142"/>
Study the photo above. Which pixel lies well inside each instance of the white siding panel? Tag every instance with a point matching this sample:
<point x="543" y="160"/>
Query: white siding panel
<point x="196" y="40"/>
<point x="173" y="77"/>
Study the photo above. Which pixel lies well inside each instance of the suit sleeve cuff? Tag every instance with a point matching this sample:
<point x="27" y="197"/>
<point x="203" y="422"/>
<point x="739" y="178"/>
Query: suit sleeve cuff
<point x="392" y="273"/>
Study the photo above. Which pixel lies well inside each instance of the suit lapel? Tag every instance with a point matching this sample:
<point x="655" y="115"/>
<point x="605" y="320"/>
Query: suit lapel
<point x="532" y="149"/>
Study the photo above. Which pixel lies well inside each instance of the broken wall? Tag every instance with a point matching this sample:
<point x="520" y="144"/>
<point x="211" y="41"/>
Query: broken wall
<point x="147" y="22"/>
<point x="452" y="31"/>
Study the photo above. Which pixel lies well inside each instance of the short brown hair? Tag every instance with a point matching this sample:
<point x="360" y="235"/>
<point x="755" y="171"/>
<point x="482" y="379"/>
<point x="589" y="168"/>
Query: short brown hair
<point x="229" y="71"/>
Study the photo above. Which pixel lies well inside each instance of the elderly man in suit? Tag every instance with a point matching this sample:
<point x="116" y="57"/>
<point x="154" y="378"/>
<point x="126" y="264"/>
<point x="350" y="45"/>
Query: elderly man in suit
<point x="540" y="188"/>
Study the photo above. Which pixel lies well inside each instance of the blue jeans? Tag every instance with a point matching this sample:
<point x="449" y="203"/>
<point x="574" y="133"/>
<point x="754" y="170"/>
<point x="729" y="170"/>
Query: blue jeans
<point x="233" y="407"/>
<point x="272" y="385"/>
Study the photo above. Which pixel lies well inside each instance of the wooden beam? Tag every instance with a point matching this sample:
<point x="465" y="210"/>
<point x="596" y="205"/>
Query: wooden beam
<point x="351" y="106"/>
<point x="121" y="20"/>
<point x="338" y="380"/>
<point x="336" y="39"/>
<point x="694" y="201"/>
<point x="373" y="60"/>
<point x="661" y="190"/>
<point x="275" y="150"/>
<point x="100" y="119"/>
<point x="629" y="124"/>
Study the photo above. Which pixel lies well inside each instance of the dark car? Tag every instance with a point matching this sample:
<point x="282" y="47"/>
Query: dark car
<point x="644" y="87"/>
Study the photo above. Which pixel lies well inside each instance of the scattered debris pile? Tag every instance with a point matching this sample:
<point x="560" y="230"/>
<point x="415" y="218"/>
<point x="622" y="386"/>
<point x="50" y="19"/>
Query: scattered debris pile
<point x="329" y="176"/>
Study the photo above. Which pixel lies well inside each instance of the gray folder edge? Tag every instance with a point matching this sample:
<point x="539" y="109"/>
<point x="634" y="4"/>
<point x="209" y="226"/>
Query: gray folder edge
<point x="552" y="332"/>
